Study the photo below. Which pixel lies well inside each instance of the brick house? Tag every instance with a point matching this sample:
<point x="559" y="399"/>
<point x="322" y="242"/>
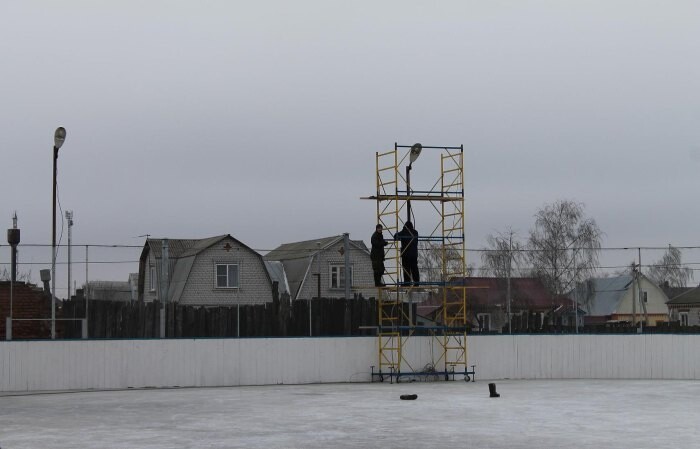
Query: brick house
<point x="303" y="260"/>
<point x="28" y="301"/>
<point x="532" y="307"/>
<point x="215" y="271"/>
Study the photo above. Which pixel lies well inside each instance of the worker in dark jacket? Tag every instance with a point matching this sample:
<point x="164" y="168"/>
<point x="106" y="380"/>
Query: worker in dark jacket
<point x="377" y="255"/>
<point x="409" y="253"/>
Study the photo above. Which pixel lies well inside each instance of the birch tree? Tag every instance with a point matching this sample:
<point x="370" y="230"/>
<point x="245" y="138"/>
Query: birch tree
<point x="564" y="245"/>
<point x="503" y="255"/>
<point x="430" y="261"/>
<point x="670" y="269"/>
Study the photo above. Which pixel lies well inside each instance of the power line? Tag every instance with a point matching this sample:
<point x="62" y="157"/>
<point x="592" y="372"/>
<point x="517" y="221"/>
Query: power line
<point x="76" y="244"/>
<point x="598" y="267"/>
<point x="602" y="248"/>
<point x="76" y="262"/>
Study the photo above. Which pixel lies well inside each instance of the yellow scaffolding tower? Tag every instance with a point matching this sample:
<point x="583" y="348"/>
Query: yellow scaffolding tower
<point x="396" y="323"/>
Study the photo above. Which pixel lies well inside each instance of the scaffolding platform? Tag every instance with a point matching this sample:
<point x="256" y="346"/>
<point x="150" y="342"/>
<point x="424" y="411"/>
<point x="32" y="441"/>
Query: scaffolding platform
<point x="469" y="375"/>
<point x="444" y="200"/>
<point x="406" y="295"/>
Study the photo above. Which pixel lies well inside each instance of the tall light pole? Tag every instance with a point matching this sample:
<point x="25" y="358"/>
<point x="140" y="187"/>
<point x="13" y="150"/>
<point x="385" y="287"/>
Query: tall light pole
<point x="58" y="138"/>
<point x="13" y="238"/>
<point x="415" y="152"/>
<point x="510" y="265"/>
<point x="69" y="219"/>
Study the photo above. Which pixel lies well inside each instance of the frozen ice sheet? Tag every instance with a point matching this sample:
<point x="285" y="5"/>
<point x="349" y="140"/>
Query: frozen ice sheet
<point x="529" y="414"/>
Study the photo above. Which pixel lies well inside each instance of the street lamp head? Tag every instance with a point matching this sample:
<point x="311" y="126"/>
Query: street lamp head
<point x="59" y="137"/>
<point x="415" y="152"/>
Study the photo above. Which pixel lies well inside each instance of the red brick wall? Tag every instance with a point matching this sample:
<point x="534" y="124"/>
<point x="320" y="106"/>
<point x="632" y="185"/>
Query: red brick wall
<point x="28" y="302"/>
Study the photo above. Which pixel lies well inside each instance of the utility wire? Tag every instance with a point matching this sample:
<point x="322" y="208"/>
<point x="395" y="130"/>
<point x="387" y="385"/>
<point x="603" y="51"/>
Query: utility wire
<point x="479" y="250"/>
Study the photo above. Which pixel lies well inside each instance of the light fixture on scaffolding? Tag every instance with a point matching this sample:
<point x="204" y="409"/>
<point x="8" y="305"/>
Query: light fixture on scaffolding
<point x="416" y="148"/>
<point x="415" y="152"/>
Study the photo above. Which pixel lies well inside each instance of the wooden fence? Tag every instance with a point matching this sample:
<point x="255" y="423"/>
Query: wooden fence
<point x="279" y="318"/>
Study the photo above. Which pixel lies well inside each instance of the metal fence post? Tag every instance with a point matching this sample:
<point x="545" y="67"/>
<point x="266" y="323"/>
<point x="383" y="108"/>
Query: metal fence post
<point x="86" y="293"/>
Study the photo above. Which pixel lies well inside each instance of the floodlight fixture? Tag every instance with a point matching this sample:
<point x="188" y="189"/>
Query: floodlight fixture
<point x="415" y="152"/>
<point x="59" y="137"/>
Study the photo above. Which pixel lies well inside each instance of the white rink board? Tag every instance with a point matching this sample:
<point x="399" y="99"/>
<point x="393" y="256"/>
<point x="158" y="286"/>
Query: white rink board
<point x="114" y="364"/>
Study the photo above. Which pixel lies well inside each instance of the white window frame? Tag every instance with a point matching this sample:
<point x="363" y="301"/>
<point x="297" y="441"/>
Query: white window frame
<point x="228" y="285"/>
<point x="153" y="277"/>
<point x="683" y="316"/>
<point x="540" y="319"/>
<point x="339" y="268"/>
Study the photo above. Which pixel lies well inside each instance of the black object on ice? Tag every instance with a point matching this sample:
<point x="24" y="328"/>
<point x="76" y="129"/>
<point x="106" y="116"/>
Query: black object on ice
<point x="492" y="391"/>
<point x="409" y="397"/>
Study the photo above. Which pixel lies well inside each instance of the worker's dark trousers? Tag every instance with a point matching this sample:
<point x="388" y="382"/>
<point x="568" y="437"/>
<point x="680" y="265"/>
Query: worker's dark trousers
<point x="378" y="268"/>
<point x="410" y="271"/>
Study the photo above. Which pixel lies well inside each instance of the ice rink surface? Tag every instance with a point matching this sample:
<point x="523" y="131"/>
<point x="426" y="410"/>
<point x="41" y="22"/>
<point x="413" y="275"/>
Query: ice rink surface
<point x="529" y="414"/>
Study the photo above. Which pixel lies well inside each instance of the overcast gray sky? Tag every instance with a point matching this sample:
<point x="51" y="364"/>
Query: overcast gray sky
<point x="188" y="119"/>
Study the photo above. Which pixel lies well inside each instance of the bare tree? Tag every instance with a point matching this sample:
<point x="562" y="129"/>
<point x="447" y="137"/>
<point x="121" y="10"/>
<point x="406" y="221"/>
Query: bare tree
<point x="669" y="269"/>
<point x="430" y="260"/>
<point x="6" y="275"/>
<point x="503" y="255"/>
<point x="564" y="245"/>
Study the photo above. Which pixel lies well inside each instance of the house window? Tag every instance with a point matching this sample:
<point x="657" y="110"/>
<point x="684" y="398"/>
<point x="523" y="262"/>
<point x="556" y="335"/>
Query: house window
<point x="338" y="276"/>
<point x="644" y="297"/>
<point x="684" y="318"/>
<point x="152" y="280"/>
<point x="484" y="321"/>
<point x="226" y="275"/>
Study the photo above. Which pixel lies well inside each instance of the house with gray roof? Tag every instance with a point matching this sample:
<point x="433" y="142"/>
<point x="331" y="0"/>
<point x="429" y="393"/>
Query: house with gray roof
<point x="215" y="271"/>
<point x="277" y="274"/>
<point x="110" y="291"/>
<point x="685" y="308"/>
<point x="303" y="261"/>
<point x="113" y="290"/>
<point x="620" y="298"/>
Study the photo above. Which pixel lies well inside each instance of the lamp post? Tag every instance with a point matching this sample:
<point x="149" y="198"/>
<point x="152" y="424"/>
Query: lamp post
<point x="415" y="152"/>
<point x="69" y="219"/>
<point x="58" y="138"/>
<point x="13" y="238"/>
